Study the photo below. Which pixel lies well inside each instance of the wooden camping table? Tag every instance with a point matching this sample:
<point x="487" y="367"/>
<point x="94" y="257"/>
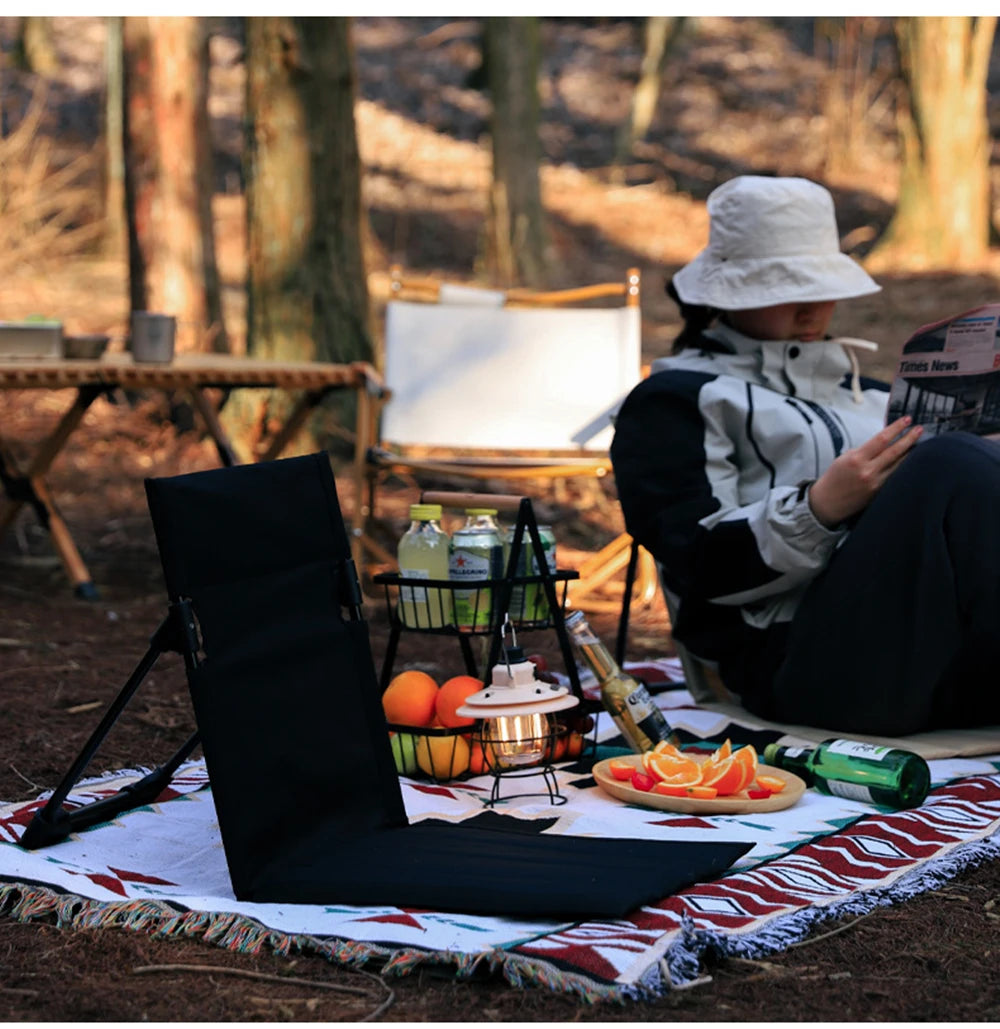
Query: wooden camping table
<point x="187" y="373"/>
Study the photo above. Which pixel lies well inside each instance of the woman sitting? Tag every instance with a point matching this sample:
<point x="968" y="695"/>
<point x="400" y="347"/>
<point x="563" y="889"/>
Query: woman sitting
<point x="840" y="575"/>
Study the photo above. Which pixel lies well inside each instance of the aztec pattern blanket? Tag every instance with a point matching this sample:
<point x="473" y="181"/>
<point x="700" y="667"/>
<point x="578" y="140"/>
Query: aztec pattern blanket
<point x="161" y="869"/>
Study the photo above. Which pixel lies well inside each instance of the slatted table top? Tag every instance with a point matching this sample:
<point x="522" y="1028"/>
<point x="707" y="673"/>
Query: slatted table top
<point x="186" y="370"/>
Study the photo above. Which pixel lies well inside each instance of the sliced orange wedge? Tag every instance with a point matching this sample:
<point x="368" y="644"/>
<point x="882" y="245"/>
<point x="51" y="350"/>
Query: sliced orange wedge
<point x="746" y="758"/>
<point x="621" y="770"/>
<point x="726" y="776"/>
<point x="667" y="768"/>
<point x="665" y="747"/>
<point x="771" y="782"/>
<point x="694" y="792"/>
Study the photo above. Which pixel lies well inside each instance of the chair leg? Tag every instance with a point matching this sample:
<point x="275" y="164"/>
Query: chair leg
<point x="52" y="822"/>
<point x="622" y="638"/>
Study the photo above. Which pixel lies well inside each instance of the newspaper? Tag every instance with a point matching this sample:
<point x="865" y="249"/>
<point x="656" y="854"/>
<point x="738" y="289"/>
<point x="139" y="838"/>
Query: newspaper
<point x="949" y="375"/>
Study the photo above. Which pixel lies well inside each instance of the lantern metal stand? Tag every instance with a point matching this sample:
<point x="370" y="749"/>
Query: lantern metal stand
<point x="516" y="733"/>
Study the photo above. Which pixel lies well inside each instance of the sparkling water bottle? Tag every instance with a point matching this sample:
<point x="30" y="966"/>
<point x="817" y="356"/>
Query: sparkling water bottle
<point x="476" y="553"/>
<point x="857" y="771"/>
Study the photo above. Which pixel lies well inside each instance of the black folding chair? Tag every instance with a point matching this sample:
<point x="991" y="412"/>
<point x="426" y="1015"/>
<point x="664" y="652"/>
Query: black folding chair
<point x="266" y="608"/>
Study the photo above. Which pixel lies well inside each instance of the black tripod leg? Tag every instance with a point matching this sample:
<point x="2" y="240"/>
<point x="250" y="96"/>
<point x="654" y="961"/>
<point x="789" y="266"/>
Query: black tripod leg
<point x="468" y="657"/>
<point x="390" y="653"/>
<point x="52" y="822"/>
<point x="48" y="827"/>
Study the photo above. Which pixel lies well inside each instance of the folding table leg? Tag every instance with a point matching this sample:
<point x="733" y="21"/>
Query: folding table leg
<point x="227" y="455"/>
<point x="28" y="487"/>
<point x="76" y="570"/>
<point x="304" y="406"/>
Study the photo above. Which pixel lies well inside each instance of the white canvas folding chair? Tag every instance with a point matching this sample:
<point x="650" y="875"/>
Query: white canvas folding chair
<point x="487" y="384"/>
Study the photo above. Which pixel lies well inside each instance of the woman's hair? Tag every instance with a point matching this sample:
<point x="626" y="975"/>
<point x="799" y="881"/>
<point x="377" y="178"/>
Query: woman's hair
<point x="696" y="317"/>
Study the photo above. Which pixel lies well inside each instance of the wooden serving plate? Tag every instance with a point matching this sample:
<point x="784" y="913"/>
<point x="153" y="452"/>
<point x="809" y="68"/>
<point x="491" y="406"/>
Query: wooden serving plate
<point x="735" y="804"/>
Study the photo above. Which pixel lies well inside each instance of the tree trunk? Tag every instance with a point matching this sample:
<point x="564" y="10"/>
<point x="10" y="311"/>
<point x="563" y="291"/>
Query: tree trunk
<point x="35" y="50"/>
<point x="307" y="288"/>
<point x="660" y="35"/>
<point x="168" y="178"/>
<point x="115" y="227"/>
<point x="942" y="219"/>
<point x="516" y="236"/>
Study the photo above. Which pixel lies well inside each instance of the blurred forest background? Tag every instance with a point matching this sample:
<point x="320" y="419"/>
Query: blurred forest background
<point x="257" y="177"/>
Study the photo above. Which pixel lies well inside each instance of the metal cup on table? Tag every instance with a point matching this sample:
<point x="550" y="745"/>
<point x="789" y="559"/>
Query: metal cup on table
<point x="153" y="337"/>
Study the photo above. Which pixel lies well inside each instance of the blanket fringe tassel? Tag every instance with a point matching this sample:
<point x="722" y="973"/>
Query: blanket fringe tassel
<point x="244" y="935"/>
<point x="683" y="961"/>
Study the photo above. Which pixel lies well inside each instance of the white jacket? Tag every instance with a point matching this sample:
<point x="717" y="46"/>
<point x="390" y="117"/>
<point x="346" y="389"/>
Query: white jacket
<point x="713" y="455"/>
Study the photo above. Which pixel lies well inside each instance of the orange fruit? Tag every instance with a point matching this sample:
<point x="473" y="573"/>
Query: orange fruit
<point x="555" y="749"/>
<point x="478" y="759"/>
<point x="771" y="782"/>
<point x="726" y="776"/>
<point x="409" y="699"/>
<point x="724" y="751"/>
<point x="680" y="771"/>
<point x="746" y="757"/>
<point x="443" y="757"/>
<point x="665" y="747"/>
<point x="452" y="695"/>
<point x="621" y="770"/>
<point x="694" y="792"/>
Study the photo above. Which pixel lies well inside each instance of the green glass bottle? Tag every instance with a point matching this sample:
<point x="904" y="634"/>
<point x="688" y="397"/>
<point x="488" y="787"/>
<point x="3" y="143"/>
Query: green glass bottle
<point x="886" y="776"/>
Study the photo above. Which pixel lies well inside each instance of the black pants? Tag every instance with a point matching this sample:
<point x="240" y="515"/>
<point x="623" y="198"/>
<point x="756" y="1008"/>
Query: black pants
<point x="901" y="632"/>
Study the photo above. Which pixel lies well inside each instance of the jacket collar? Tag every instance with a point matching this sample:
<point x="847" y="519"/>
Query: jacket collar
<point x="814" y="370"/>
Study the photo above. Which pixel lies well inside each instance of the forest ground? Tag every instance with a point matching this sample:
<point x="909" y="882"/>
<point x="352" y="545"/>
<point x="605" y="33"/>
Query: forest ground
<point x="741" y="96"/>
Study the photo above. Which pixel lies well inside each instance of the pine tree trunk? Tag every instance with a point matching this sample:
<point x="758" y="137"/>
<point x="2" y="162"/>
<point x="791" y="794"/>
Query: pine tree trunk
<point x="942" y="219"/>
<point x="307" y="288"/>
<point x="516" y="237"/>
<point x="115" y="227"/>
<point x="168" y="178"/>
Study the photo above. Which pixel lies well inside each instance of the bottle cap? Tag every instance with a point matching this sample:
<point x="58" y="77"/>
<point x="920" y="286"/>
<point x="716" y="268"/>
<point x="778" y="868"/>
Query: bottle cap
<point x="770" y="752"/>
<point x="424" y="512"/>
<point x="480" y="510"/>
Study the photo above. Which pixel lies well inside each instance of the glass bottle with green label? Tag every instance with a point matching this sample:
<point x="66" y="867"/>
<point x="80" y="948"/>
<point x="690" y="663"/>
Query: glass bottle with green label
<point x="857" y="771"/>
<point x="423" y="554"/>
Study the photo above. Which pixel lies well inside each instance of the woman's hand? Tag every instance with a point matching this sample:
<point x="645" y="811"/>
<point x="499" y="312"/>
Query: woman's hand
<point x="849" y="484"/>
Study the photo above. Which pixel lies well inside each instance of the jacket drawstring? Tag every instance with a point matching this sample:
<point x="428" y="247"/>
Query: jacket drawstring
<point x="849" y="343"/>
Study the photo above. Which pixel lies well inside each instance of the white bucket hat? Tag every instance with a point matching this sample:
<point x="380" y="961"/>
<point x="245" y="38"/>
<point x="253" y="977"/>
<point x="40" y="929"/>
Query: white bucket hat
<point x="771" y="241"/>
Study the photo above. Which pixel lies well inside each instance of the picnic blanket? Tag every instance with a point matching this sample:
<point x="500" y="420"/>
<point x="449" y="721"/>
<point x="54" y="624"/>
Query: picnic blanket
<point x="161" y="869"/>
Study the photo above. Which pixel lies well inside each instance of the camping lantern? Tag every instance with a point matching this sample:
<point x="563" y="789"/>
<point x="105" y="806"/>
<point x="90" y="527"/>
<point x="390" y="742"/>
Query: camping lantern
<point x="515" y="710"/>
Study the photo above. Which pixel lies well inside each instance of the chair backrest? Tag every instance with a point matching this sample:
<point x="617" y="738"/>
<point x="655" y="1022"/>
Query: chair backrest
<point x="466" y="373"/>
<point x="287" y="681"/>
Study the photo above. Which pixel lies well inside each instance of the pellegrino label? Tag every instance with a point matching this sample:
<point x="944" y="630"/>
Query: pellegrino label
<point x="467" y="565"/>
